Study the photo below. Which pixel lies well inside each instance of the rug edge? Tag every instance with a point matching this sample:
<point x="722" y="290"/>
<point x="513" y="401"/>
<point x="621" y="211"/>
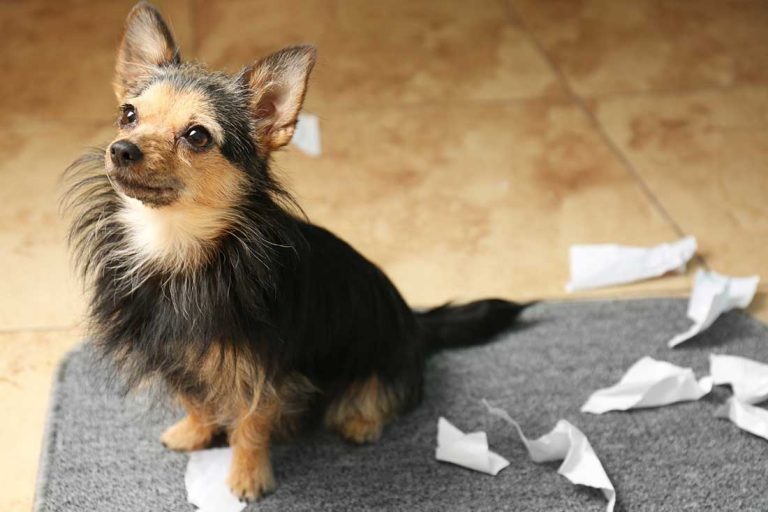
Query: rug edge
<point x="49" y="430"/>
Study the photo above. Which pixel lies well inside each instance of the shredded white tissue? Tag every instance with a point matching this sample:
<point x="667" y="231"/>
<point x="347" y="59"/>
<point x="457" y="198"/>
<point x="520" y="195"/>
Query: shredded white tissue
<point x="206" y="481"/>
<point x="593" y="266"/>
<point x="566" y="442"/>
<point x="748" y="378"/>
<point x="714" y="294"/>
<point x="307" y="134"/>
<point x="747" y="417"/>
<point x="648" y="383"/>
<point x="467" y="450"/>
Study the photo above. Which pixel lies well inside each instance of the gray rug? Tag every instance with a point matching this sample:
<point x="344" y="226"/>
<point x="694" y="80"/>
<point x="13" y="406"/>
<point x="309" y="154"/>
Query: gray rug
<point x="102" y="453"/>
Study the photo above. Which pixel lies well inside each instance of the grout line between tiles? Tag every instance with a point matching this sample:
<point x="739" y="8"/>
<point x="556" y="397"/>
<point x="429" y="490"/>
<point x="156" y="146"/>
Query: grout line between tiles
<point x="516" y="18"/>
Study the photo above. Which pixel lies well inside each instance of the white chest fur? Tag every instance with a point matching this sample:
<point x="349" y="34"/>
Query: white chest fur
<point x="175" y="237"/>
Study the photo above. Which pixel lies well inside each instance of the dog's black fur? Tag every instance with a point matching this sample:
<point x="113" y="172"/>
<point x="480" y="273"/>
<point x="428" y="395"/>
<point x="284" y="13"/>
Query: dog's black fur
<point x="280" y="290"/>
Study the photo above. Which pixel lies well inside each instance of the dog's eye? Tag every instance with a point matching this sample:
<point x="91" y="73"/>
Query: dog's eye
<point x="128" y="115"/>
<point x="198" y="137"/>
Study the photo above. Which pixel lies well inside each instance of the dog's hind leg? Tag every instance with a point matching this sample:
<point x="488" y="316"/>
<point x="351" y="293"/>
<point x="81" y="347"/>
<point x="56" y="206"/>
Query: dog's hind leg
<point x="361" y="411"/>
<point x="193" y="432"/>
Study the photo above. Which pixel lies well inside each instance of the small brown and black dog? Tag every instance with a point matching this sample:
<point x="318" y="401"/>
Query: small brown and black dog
<point x="205" y="276"/>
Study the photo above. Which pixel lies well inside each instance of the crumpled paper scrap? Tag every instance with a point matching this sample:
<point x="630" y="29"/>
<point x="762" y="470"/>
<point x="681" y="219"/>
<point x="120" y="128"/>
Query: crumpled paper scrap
<point x="467" y="450"/>
<point x="648" y="383"/>
<point x="306" y="137"/>
<point x="206" y="481"/>
<point x="748" y="378"/>
<point x="567" y="443"/>
<point x="714" y="294"/>
<point x="747" y="417"/>
<point x="593" y="266"/>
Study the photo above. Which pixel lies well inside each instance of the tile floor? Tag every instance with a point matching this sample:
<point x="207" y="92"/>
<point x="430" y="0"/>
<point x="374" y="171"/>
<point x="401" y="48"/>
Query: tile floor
<point x="466" y="146"/>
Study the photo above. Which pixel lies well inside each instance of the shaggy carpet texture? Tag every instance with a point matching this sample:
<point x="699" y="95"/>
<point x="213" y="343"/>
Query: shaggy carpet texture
<point x="102" y="451"/>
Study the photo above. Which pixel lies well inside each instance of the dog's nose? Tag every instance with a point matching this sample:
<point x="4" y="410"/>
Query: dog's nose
<point x="124" y="153"/>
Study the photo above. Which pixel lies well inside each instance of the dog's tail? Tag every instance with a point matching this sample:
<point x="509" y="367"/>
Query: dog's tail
<point x="464" y="325"/>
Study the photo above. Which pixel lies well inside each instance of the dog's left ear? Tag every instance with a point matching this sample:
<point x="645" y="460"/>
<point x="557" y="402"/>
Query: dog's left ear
<point x="278" y="84"/>
<point x="147" y="43"/>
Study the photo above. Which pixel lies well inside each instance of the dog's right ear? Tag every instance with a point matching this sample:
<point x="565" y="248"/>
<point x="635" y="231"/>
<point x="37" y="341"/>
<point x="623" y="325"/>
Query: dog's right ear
<point x="277" y="84"/>
<point x="147" y="43"/>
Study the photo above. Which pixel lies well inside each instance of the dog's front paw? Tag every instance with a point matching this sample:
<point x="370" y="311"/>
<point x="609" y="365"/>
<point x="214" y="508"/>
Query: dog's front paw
<point x="250" y="484"/>
<point x="187" y="435"/>
<point x="360" y="430"/>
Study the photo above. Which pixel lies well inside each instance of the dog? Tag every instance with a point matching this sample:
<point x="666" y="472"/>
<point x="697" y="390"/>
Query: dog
<point x="205" y="275"/>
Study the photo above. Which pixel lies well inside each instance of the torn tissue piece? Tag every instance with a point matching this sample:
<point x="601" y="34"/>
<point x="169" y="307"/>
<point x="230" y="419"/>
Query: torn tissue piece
<point x="748" y="378"/>
<point x="648" y="383"/>
<point x="593" y="266"/>
<point x="206" y="481"/>
<point x="714" y="294"/>
<point x="747" y="417"/>
<point x="467" y="450"/>
<point x="567" y="443"/>
<point x="307" y="134"/>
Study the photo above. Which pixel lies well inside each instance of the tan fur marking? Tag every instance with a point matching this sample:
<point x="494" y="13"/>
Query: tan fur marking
<point x="239" y="397"/>
<point x="232" y="386"/>
<point x="235" y="387"/>
<point x="193" y="432"/>
<point x="250" y="475"/>
<point x="166" y="110"/>
<point x="181" y="235"/>
<point x="360" y="413"/>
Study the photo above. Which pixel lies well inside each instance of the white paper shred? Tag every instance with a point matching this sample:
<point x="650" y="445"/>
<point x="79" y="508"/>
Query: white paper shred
<point x="748" y="378"/>
<point x="467" y="450"/>
<point x="714" y="294"/>
<point x="307" y="134"/>
<point x="649" y="383"/>
<point x="594" y="266"/>
<point x="206" y="481"/>
<point x="747" y="417"/>
<point x="567" y="443"/>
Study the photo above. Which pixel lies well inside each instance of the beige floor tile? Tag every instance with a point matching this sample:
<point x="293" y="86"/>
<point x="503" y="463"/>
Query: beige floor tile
<point x="468" y="201"/>
<point x="38" y="288"/>
<point x="608" y="46"/>
<point x="57" y="57"/>
<point x="390" y="52"/>
<point x="705" y="156"/>
<point x="759" y="306"/>
<point x="27" y="363"/>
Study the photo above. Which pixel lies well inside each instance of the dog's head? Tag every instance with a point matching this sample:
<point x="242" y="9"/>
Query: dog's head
<point x="187" y="136"/>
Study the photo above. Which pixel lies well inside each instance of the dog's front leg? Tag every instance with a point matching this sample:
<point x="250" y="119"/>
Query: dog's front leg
<point x="193" y="432"/>
<point x="250" y="475"/>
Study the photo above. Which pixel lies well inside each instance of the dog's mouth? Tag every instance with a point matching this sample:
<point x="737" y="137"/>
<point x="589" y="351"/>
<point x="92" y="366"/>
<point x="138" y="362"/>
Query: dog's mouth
<point x="152" y="195"/>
